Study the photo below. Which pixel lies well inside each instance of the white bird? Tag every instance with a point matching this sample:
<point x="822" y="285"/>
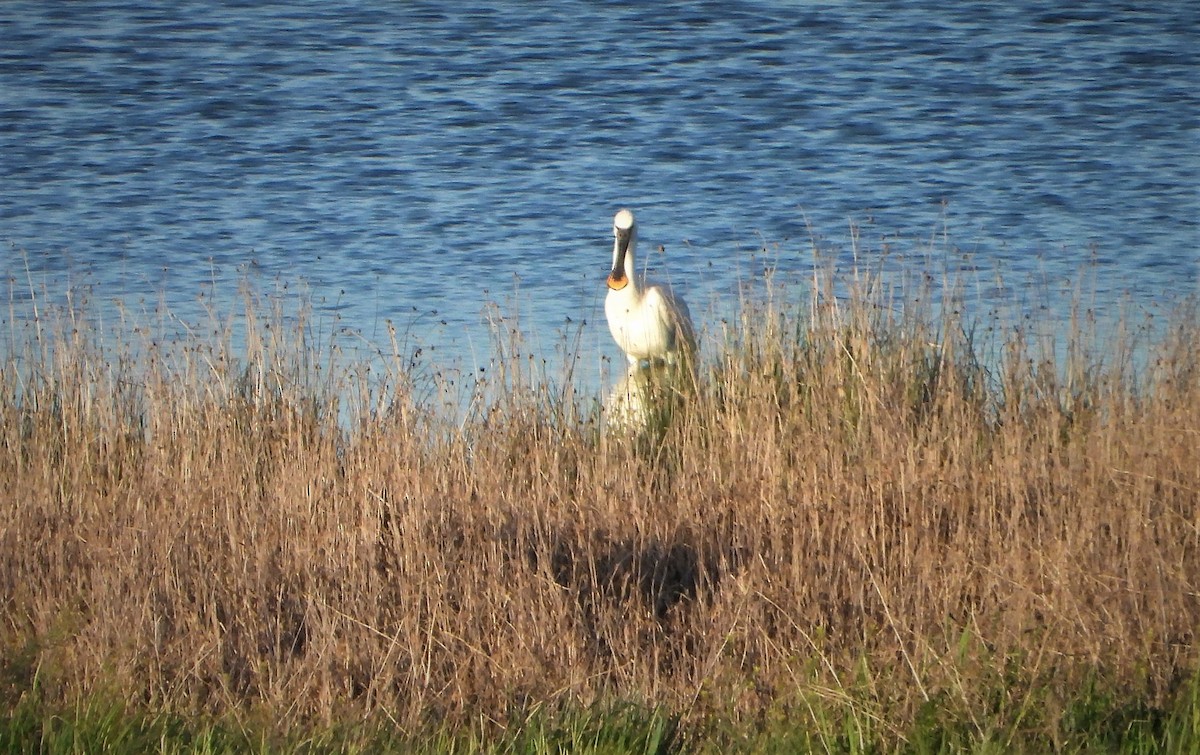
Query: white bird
<point x="646" y="320"/>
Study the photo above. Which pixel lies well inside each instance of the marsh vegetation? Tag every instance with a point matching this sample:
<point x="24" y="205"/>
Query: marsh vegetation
<point x="864" y="519"/>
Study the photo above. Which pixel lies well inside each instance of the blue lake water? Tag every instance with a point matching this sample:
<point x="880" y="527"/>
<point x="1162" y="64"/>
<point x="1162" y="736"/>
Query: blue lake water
<point x="411" y="162"/>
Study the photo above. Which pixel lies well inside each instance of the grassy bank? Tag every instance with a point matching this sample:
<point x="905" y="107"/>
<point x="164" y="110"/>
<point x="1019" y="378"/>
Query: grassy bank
<point x="1091" y="723"/>
<point x="863" y="526"/>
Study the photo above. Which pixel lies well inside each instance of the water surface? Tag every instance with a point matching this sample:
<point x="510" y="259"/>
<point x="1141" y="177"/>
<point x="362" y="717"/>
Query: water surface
<point x="406" y="162"/>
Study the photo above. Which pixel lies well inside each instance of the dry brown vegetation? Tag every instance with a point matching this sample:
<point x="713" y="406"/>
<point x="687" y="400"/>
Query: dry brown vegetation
<point x="855" y="511"/>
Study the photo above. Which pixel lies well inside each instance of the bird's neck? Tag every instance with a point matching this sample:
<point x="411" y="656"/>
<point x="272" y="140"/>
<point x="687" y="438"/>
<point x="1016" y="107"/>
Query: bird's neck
<point x="632" y="287"/>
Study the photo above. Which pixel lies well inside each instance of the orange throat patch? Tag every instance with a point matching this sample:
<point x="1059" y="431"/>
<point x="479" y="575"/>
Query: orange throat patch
<point x="616" y="283"/>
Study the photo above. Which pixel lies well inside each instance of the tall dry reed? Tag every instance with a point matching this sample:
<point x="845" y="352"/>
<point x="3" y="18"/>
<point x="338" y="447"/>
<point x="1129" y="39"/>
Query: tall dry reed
<point x="858" y="506"/>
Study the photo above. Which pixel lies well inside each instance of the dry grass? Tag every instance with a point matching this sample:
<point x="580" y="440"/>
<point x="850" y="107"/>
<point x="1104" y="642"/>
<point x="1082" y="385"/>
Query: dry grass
<point x="856" y="510"/>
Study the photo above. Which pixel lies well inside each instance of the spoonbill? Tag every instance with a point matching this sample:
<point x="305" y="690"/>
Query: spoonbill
<point x="647" y="321"/>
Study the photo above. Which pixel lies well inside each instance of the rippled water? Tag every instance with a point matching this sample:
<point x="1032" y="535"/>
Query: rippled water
<point x="411" y="163"/>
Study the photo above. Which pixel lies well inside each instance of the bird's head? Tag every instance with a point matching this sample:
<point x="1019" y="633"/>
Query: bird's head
<point x="623" y="235"/>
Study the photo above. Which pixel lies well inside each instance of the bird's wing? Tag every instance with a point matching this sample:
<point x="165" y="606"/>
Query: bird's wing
<point x="673" y="313"/>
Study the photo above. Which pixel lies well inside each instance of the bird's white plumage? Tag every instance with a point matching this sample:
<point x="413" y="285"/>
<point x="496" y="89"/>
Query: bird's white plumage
<point x="647" y="321"/>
